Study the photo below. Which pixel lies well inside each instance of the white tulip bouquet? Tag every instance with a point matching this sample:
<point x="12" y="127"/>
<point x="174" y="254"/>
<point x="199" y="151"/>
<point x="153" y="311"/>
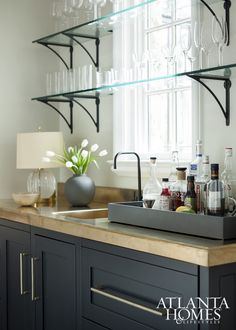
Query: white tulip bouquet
<point x="78" y="158"/>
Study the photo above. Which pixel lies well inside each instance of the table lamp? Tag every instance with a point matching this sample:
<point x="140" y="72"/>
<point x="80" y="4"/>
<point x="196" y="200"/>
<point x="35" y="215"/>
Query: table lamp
<point x="31" y="148"/>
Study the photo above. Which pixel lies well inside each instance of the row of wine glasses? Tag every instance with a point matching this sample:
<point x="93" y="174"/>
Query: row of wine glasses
<point x="193" y="41"/>
<point x="219" y="37"/>
<point x="68" y="13"/>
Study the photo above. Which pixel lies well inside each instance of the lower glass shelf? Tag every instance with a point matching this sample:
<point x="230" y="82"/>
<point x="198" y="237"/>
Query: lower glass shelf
<point x="225" y="71"/>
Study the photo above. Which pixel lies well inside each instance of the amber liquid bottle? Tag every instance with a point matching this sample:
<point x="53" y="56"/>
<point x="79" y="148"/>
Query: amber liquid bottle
<point x="191" y="197"/>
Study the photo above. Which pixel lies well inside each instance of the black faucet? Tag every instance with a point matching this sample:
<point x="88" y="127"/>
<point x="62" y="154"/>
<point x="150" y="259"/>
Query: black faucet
<point x="138" y="168"/>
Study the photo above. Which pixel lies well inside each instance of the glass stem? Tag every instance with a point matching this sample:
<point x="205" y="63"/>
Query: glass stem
<point x="220" y="54"/>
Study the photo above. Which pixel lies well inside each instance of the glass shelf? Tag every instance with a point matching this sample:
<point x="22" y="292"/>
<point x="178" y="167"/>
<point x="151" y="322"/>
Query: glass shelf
<point x="226" y="71"/>
<point x="101" y="26"/>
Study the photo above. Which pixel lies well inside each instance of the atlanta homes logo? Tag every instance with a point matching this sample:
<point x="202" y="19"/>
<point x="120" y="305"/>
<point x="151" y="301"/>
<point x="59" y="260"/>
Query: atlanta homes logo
<point x="195" y="310"/>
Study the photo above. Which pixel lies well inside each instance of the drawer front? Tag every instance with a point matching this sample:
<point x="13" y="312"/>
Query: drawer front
<point x="88" y="325"/>
<point x="121" y="293"/>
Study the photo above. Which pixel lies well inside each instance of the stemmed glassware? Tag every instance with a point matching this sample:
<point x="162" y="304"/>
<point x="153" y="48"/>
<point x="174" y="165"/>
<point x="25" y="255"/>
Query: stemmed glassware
<point x="206" y="44"/>
<point x="185" y="41"/>
<point x="219" y="36"/>
<point x="97" y="5"/>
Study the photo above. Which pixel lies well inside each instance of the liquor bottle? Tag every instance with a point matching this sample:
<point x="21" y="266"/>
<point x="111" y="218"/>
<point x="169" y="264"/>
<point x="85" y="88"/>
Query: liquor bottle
<point x="196" y="164"/>
<point x="226" y="178"/>
<point x="178" y="190"/>
<point x="191" y="197"/>
<point x="215" y="193"/>
<point x="164" y="203"/>
<point x="152" y="189"/>
<point x="173" y="171"/>
<point x="200" y="185"/>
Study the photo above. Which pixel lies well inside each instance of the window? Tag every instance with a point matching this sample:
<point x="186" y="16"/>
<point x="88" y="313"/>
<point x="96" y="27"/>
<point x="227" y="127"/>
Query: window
<point x="157" y="117"/>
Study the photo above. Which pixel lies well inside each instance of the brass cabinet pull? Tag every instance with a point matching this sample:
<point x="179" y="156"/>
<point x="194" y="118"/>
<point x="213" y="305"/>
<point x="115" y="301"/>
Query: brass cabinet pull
<point x="34" y="297"/>
<point x="22" y="274"/>
<point x="128" y="302"/>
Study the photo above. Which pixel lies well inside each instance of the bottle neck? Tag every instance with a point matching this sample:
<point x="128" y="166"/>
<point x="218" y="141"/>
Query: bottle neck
<point x="181" y="175"/>
<point x="190" y="186"/>
<point x="228" y="163"/>
<point x="198" y="150"/>
<point x="214" y="176"/>
<point x="153" y="171"/>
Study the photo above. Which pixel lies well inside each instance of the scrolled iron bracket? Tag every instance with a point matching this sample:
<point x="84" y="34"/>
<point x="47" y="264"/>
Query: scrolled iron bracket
<point x="95" y="119"/>
<point x="227" y="85"/>
<point x="49" y="102"/>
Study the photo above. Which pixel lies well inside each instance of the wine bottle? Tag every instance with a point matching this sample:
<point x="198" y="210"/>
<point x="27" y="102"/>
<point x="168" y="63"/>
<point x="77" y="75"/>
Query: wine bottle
<point x="215" y="193"/>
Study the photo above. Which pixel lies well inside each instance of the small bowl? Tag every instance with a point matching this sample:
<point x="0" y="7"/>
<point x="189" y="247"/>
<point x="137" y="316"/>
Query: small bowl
<point x="25" y="199"/>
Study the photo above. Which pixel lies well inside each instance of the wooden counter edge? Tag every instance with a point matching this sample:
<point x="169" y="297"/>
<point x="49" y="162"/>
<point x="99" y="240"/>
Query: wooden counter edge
<point x="201" y="256"/>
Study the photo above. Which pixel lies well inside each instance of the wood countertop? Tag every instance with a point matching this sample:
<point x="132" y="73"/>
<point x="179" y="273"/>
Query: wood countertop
<point x="200" y="251"/>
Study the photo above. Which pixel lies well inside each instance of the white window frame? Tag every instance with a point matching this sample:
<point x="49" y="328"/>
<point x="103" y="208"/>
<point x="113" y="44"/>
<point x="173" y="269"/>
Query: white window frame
<point x="125" y="106"/>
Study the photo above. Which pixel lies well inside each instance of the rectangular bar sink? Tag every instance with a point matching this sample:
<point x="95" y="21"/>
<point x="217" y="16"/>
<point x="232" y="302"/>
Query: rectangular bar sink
<point x="84" y="214"/>
<point x="133" y="213"/>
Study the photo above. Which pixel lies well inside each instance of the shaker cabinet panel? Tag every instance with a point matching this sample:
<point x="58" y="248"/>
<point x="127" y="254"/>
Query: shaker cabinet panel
<point x="121" y="293"/>
<point x="54" y="291"/>
<point x="15" y="287"/>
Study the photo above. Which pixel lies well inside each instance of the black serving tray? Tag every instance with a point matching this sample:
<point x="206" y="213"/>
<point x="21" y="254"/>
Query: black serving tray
<point x="133" y="213"/>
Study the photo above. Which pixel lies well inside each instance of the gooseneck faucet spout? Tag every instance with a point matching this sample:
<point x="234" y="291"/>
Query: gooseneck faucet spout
<point x="138" y="168"/>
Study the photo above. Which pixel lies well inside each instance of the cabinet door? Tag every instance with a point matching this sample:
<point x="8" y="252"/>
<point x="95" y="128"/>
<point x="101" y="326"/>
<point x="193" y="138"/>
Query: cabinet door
<point x="54" y="283"/>
<point x="121" y="293"/>
<point x="15" y="302"/>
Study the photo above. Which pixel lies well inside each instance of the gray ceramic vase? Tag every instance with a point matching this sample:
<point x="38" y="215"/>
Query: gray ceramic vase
<point x="79" y="190"/>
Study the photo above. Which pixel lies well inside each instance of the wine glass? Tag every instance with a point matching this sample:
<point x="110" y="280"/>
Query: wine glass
<point x="185" y="41"/>
<point x="206" y="44"/>
<point x="219" y="36"/>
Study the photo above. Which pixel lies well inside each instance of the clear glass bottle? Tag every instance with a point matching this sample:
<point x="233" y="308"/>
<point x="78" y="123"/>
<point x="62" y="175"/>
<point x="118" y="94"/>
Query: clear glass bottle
<point x="152" y="189"/>
<point x="200" y="184"/>
<point x="226" y="178"/>
<point x="173" y="171"/>
<point x="196" y="164"/>
<point x="178" y="190"/>
<point x="190" y="199"/>
<point x="164" y="203"/>
<point x="215" y="193"/>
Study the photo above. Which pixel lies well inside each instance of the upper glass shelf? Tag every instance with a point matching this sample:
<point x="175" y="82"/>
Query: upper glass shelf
<point x="226" y="71"/>
<point x="103" y="26"/>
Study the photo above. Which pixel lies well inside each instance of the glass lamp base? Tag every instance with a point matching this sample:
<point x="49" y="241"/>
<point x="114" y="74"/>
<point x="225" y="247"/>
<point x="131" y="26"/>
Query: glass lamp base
<point x="42" y="182"/>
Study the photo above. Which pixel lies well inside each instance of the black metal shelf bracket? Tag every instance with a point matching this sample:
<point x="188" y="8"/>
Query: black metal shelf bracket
<point x="67" y="65"/>
<point x="227" y="85"/>
<point x="227" y="5"/>
<point x="70" y="102"/>
<point x="73" y="36"/>
<point x="97" y="103"/>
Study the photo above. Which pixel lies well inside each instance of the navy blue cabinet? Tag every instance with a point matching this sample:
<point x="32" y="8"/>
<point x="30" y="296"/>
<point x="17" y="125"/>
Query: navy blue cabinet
<point x="120" y="292"/>
<point x="15" y="301"/>
<point x="121" y="289"/>
<point x="38" y="279"/>
<point x="54" y="283"/>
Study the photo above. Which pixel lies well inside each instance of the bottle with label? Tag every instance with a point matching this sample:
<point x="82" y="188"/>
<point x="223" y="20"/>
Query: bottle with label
<point x="191" y="197"/>
<point x="178" y="190"/>
<point x="164" y="203"/>
<point x="174" y="165"/>
<point x="200" y="185"/>
<point x="215" y="193"/>
<point x="226" y="178"/>
<point x="152" y="189"/>
<point x="196" y="164"/>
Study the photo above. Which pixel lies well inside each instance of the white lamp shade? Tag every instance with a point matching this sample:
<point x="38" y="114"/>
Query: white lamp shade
<point x="32" y="147"/>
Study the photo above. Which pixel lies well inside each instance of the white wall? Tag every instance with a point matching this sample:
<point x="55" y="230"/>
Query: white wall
<point x="215" y="134"/>
<point x="22" y="67"/>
